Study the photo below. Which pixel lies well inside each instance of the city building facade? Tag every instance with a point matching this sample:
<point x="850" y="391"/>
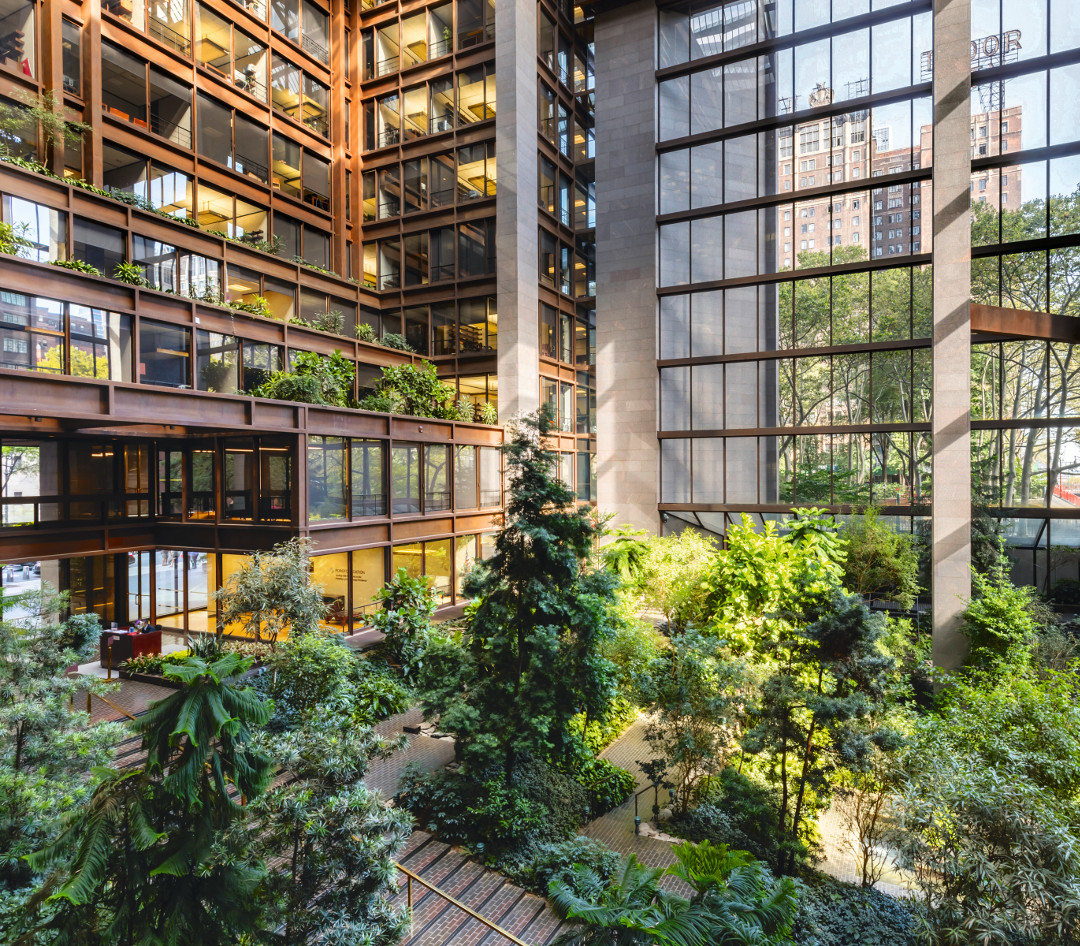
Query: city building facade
<point x="752" y="255"/>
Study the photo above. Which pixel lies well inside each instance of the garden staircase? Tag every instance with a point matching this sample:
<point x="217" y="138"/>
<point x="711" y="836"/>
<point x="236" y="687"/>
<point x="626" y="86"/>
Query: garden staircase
<point x="471" y="905"/>
<point x="494" y="905"/>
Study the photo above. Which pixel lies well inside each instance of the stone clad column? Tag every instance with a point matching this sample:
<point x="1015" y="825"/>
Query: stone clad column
<point x="952" y="333"/>
<point x="628" y="453"/>
<point x="517" y="250"/>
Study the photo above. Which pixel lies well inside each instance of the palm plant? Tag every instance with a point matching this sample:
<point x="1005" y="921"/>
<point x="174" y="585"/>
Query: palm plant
<point x="150" y="860"/>
<point x="630" y="911"/>
<point x="736" y="902"/>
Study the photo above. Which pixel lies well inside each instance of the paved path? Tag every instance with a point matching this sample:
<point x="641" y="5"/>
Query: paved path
<point x="133" y="696"/>
<point x="616" y="828"/>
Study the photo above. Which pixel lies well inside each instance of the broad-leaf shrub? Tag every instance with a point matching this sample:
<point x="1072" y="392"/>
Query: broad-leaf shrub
<point x="833" y="913"/>
<point x="988" y="817"/>
<point x="405" y="619"/>
<point x="313" y="379"/>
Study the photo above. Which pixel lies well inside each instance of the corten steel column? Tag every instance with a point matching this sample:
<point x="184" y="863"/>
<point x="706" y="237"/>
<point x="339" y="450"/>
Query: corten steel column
<point x="628" y="452"/>
<point x="952" y="332"/>
<point x="517" y="250"/>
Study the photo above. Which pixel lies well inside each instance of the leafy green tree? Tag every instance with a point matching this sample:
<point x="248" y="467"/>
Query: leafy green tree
<point x="879" y="561"/>
<point x="532" y="657"/>
<point x="987" y="818"/>
<point x="670" y="574"/>
<point x="405" y="619"/>
<point x="999" y="621"/>
<point x="146" y="860"/>
<point x="763" y="578"/>
<point x="829" y="670"/>
<point x="337" y="880"/>
<point x="272" y="593"/>
<point x="46" y="743"/>
<point x="314" y="673"/>
<point x="696" y="700"/>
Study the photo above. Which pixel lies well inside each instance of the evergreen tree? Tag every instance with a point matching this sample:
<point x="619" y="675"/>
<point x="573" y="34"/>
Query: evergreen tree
<point x="46" y="744"/>
<point x="532" y="656"/>
<point x="829" y="674"/>
<point x="332" y="839"/>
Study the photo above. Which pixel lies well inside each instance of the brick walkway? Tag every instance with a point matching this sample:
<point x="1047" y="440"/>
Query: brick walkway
<point x="423" y="751"/>
<point x="133" y="696"/>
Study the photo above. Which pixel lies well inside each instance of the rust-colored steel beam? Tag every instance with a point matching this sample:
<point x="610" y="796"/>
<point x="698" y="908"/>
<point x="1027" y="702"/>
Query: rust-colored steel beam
<point x="1022" y="323"/>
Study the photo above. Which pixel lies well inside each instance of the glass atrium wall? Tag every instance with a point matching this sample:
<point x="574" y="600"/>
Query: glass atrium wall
<point x="1025" y="231"/>
<point x="794" y="161"/>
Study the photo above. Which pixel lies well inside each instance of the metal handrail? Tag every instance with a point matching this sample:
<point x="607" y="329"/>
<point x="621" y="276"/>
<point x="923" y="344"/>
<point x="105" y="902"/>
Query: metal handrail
<point x="106" y="701"/>
<point x="410" y="877"/>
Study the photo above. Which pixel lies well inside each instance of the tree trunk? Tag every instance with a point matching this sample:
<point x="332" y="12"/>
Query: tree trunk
<point x="805" y="771"/>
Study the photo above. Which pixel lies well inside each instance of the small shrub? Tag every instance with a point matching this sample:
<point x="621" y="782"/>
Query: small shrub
<point x="405" y="620"/>
<point x="332" y="321"/>
<point x="536" y="867"/>
<point x="440" y="802"/>
<point x="466" y="410"/>
<point x="396" y="341"/>
<point x="539" y="805"/>
<point x="566" y="800"/>
<point x="488" y="414"/>
<point x="314" y="379"/>
<point x="608" y="785"/>
<point x="833" y="913"/>
<point x="259" y="305"/>
<point x="737" y="812"/>
<point x="131" y="273"/>
<point x="76" y="264"/>
<point x="366" y="333"/>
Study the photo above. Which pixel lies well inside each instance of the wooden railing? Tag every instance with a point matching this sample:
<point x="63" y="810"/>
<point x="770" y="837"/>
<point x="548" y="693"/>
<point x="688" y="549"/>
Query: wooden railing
<point x="494" y="927"/>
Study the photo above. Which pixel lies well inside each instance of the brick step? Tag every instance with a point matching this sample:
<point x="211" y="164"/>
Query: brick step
<point x="437" y="922"/>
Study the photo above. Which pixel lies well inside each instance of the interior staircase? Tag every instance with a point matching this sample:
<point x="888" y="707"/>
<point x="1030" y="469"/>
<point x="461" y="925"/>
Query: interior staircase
<point x="438" y="922"/>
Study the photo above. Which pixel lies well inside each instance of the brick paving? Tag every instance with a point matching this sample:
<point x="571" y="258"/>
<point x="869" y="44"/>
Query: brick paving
<point x="133" y="696"/>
